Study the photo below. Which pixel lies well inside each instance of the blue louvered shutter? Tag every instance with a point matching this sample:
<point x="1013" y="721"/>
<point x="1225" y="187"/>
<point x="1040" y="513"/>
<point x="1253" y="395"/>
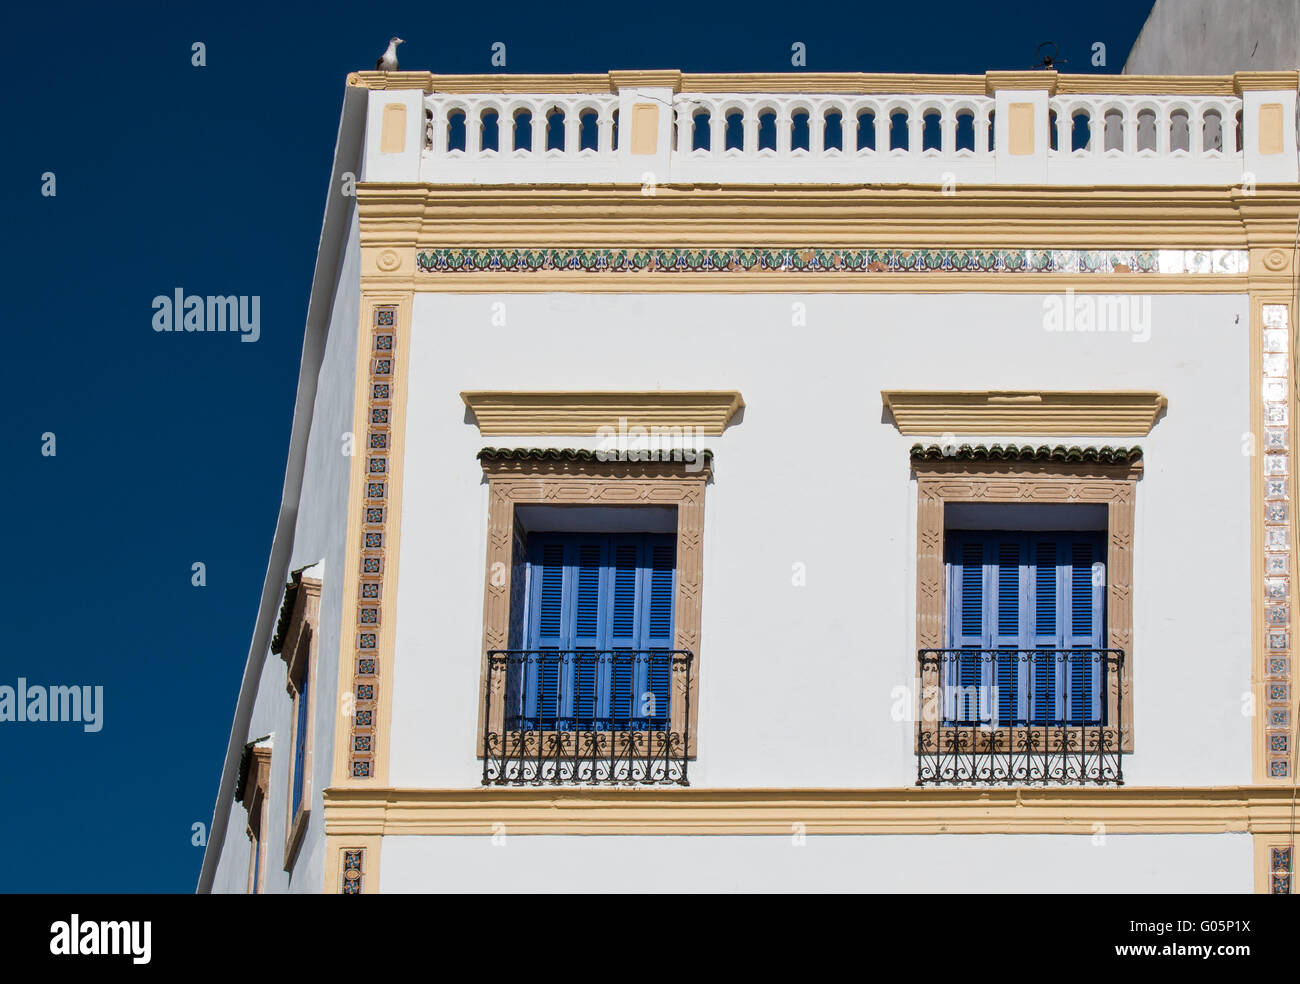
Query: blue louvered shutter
<point x="596" y="603"/>
<point x="547" y="576"/>
<point x="516" y="638"/>
<point x="1030" y="592"/>
<point x="1046" y="672"/>
<point x="300" y="743"/>
<point x="588" y="590"/>
<point x="1035" y="591"/>
<point x="518" y="590"/>
<point x="1084" y="629"/>
<point x="660" y="588"/>
<point x="1004" y="672"/>
<point x="257" y="859"/>
<point x="967" y="590"/>
<point x="623" y="638"/>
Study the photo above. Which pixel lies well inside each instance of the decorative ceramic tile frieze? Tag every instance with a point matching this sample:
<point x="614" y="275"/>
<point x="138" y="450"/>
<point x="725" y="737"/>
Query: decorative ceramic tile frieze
<point x="1276" y="391"/>
<point x="811" y="259"/>
<point x="374" y="535"/>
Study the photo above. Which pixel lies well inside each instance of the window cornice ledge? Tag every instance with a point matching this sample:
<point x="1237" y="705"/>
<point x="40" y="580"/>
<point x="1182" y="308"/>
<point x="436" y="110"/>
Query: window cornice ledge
<point x="1090" y="413"/>
<point x="513" y="412"/>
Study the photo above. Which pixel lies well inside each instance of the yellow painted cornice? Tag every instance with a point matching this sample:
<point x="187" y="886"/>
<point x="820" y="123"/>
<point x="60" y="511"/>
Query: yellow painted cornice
<point x="907" y="810"/>
<point x="669" y="78"/>
<point x="1042" y="79"/>
<point x="836" y="83"/>
<point x="845" y="83"/>
<point x="501" y="413"/>
<point x="1024" y="413"/>
<point x="911" y="216"/>
<point x="1146" y="85"/>
<point x="1268" y="215"/>
<point x="1266" y="81"/>
<point x="429" y="82"/>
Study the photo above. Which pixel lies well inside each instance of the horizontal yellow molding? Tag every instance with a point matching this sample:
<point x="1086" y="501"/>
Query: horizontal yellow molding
<point x="523" y="413"/>
<point x="847" y="83"/>
<point x="1265" y="81"/>
<point x="398" y="220"/>
<point x="907" y="810"/>
<point x="812" y="283"/>
<point x="826" y="217"/>
<point x="1085" y="414"/>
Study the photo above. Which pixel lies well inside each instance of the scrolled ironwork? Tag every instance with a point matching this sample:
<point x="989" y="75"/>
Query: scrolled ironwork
<point x="587" y="717"/>
<point x="1020" y="717"/>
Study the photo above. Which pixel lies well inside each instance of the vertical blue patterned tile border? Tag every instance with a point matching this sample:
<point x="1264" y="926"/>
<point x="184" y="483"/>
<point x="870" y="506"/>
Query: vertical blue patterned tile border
<point x="364" y="725"/>
<point x="353" y="870"/>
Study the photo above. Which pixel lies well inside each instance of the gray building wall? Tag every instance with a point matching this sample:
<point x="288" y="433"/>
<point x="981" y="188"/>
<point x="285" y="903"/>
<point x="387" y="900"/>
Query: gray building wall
<point x="320" y="533"/>
<point x="1217" y="37"/>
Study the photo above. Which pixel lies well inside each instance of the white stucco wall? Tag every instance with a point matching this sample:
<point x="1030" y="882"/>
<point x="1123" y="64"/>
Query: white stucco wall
<point x="797" y="683"/>
<point x="1163" y="864"/>
<point x="320" y="533"/>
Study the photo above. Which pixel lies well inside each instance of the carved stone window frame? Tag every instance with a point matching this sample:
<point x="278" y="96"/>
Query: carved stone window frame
<point x="254" y="798"/>
<point x="569" y="478"/>
<point x="297" y="645"/>
<point x="952" y="480"/>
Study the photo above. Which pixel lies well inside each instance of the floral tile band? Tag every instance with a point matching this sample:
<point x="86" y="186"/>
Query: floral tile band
<point x="803" y="259"/>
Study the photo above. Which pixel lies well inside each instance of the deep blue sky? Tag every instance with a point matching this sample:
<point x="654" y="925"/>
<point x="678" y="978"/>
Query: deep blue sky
<point x="171" y="448"/>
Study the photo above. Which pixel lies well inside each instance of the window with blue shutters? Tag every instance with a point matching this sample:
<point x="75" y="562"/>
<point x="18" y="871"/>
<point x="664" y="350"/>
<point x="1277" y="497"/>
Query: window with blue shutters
<point x="255" y="766"/>
<point x="1040" y="598"/>
<point x="300" y="744"/>
<point x="295" y="643"/>
<point x="597" y="631"/>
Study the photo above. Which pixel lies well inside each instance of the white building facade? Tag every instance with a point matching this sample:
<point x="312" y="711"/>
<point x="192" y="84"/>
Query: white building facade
<point x="791" y="483"/>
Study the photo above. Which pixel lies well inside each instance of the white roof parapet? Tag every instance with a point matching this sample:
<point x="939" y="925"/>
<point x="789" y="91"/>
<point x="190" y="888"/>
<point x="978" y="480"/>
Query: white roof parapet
<point x="651" y="128"/>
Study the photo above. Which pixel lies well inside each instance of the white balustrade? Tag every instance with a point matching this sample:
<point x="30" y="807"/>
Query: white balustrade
<point x="502" y="139"/>
<point x="1106" y="139"/>
<point x="784" y="138"/>
<point x="787" y="138"/>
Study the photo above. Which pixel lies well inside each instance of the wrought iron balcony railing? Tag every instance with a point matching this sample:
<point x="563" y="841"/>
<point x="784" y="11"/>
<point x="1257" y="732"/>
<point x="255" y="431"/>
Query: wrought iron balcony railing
<point x="587" y="716"/>
<point x="1021" y="717"/>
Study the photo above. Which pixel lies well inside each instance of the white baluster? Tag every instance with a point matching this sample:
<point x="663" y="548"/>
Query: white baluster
<point x="511" y="128"/>
<point x="473" y="130"/>
<point x="784" y="126"/>
<point x="816" y="133"/>
<point x="717" y="130"/>
<point x="750" y="123"/>
<point x="681" y="128"/>
<point x="439" y="126"/>
<point x="605" y="132"/>
<point x="572" y="131"/>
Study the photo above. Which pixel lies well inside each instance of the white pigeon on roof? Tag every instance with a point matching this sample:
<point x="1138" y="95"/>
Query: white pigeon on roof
<point x="388" y="60"/>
